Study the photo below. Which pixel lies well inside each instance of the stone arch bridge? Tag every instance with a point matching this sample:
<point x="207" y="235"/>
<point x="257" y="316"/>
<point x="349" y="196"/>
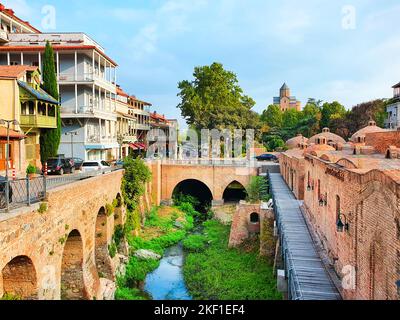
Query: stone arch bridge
<point x="216" y="175"/>
<point x="62" y="253"/>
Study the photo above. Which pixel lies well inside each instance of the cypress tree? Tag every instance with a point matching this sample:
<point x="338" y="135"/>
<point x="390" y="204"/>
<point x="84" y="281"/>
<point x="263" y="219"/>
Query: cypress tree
<point x="50" y="138"/>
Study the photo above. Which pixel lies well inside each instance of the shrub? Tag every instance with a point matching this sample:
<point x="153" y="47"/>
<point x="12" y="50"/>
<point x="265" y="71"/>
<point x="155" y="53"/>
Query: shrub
<point x="31" y="169"/>
<point x="129" y="294"/>
<point x="137" y="270"/>
<point x="42" y="208"/>
<point x="112" y="250"/>
<point x="109" y="210"/>
<point x="257" y="190"/>
<point x="194" y="243"/>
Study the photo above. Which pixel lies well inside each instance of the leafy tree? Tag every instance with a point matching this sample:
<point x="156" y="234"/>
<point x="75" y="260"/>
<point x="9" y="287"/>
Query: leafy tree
<point x="275" y="143"/>
<point x="364" y="112"/>
<point x="214" y="100"/>
<point x="257" y="190"/>
<point x="291" y="118"/>
<point x="50" y="138"/>
<point x="272" y="116"/>
<point x="331" y="111"/>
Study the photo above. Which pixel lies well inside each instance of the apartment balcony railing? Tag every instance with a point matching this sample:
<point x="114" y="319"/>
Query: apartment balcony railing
<point x="96" y="138"/>
<point x="38" y="121"/>
<point x="87" y="77"/>
<point x="3" y="36"/>
<point x="142" y="127"/>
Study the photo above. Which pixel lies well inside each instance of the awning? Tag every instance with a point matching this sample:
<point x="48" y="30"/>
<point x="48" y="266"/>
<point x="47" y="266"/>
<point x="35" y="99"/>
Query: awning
<point x="137" y="146"/>
<point x="102" y="146"/>
<point x="13" y="134"/>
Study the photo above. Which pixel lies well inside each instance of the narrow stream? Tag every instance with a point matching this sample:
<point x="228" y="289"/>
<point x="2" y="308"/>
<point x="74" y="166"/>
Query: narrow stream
<point x="167" y="282"/>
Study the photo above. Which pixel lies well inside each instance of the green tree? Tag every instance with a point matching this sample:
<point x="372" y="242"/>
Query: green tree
<point x="332" y="111"/>
<point x="275" y="143"/>
<point x="50" y="138"/>
<point x="272" y="116"/>
<point x="214" y="100"/>
<point x="291" y="118"/>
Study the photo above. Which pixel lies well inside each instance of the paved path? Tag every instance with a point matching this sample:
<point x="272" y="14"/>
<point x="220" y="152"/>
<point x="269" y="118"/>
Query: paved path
<point x="307" y="276"/>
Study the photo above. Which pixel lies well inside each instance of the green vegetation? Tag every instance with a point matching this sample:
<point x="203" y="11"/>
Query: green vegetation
<point x="9" y="296"/>
<point x="31" y="169"/>
<point x="194" y="243"/>
<point x="220" y="273"/>
<point x="160" y="232"/>
<point x="214" y="100"/>
<point x="257" y="190"/>
<point x="278" y="126"/>
<point x="50" y="138"/>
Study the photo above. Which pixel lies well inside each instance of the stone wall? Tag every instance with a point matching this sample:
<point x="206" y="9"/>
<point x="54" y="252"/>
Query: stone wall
<point x="381" y="141"/>
<point x="243" y="224"/>
<point x="292" y="170"/>
<point x="60" y="240"/>
<point x="367" y="256"/>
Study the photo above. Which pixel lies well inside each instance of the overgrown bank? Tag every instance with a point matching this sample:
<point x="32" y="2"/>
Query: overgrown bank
<point x="164" y="227"/>
<point x="212" y="271"/>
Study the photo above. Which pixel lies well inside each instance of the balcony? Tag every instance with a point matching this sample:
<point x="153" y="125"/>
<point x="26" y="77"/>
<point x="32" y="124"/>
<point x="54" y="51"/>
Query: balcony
<point x="142" y="127"/>
<point x="3" y="36"/>
<point x="91" y="77"/>
<point x="38" y="121"/>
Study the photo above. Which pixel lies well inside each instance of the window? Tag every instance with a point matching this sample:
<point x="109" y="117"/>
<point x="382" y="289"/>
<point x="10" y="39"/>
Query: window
<point x="254" y="217"/>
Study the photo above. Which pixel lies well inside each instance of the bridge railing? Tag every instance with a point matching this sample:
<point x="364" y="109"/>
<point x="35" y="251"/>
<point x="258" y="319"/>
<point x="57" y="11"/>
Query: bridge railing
<point x="212" y="162"/>
<point x="26" y="191"/>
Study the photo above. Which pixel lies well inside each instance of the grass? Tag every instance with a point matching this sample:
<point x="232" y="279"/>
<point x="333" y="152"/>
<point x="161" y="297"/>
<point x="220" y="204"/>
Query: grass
<point x="194" y="243"/>
<point x="159" y="233"/>
<point x="220" y="273"/>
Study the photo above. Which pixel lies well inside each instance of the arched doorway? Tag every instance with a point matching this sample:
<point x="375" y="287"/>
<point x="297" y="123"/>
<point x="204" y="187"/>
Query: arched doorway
<point x="254" y="217"/>
<point x="254" y="225"/>
<point x="101" y="246"/>
<point x="72" y="282"/>
<point x="196" y="189"/>
<point x="234" y="193"/>
<point x="19" y="279"/>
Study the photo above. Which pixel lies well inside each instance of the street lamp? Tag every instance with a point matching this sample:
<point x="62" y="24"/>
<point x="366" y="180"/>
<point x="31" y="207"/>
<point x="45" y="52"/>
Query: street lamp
<point x="8" y="123"/>
<point x="72" y="134"/>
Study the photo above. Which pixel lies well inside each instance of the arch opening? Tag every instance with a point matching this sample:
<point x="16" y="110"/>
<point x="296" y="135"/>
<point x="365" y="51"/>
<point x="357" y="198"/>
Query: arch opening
<point x="19" y="279"/>
<point x="234" y="193"/>
<point x="72" y="282"/>
<point x="254" y="217"/>
<point x="101" y="246"/>
<point x="196" y="189"/>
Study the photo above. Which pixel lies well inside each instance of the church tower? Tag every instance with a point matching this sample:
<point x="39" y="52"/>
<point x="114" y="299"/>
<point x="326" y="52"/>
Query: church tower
<point x="285" y="91"/>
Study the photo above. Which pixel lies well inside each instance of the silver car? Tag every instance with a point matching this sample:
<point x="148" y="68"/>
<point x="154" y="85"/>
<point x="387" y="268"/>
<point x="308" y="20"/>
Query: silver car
<point x="95" y="165"/>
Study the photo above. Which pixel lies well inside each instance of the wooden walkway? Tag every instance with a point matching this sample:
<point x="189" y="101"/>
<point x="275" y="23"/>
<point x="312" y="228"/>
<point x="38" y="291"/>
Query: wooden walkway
<point x="307" y="277"/>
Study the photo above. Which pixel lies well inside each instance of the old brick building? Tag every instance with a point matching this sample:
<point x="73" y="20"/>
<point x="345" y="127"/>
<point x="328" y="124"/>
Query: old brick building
<point x="351" y="195"/>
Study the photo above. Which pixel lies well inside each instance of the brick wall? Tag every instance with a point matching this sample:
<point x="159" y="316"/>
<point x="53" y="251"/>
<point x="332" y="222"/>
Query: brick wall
<point x="381" y="141"/>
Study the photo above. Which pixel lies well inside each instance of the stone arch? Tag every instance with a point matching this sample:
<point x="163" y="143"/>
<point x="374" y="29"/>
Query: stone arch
<point x="72" y="278"/>
<point x="19" y="278"/>
<point x="234" y="192"/>
<point x="326" y="157"/>
<point x="195" y="188"/>
<point x="254" y="217"/>
<point x="102" y="256"/>
<point x="347" y="163"/>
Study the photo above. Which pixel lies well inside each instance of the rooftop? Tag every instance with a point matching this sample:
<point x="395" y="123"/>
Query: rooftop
<point x="10" y="13"/>
<point x="15" y="72"/>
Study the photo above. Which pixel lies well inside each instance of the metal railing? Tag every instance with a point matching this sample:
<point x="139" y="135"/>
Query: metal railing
<point x="210" y="162"/>
<point x="27" y="191"/>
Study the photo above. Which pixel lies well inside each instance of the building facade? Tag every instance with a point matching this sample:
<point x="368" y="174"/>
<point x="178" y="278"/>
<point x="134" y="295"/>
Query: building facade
<point x="393" y="109"/>
<point x="286" y="101"/>
<point x="23" y="100"/>
<point x="351" y="196"/>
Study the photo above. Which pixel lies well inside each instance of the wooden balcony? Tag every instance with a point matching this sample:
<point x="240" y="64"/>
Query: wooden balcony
<point x="38" y="121"/>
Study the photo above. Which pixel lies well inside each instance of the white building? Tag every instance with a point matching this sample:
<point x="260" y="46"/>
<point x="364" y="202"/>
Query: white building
<point x="393" y="110"/>
<point x="86" y="80"/>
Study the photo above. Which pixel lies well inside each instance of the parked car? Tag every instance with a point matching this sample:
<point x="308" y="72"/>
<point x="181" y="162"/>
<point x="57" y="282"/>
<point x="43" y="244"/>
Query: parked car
<point x="267" y="157"/>
<point x="119" y="163"/>
<point x="60" y="165"/>
<point x="3" y="198"/>
<point x="95" y="165"/>
<point x="78" y="162"/>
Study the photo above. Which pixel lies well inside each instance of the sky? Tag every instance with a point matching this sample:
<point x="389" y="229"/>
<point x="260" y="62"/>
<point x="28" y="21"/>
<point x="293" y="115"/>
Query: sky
<point x="329" y="50"/>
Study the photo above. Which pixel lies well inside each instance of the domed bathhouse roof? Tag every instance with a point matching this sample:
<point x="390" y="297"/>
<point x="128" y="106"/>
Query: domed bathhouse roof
<point x="315" y="149"/>
<point x="327" y="137"/>
<point x="296" y="142"/>
<point x="359" y="136"/>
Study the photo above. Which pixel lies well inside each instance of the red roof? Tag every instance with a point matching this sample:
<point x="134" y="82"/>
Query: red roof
<point x="157" y="116"/>
<point x="10" y="13"/>
<point x="122" y="93"/>
<point x="13" y="134"/>
<point x="56" y="48"/>
<point x="15" y="72"/>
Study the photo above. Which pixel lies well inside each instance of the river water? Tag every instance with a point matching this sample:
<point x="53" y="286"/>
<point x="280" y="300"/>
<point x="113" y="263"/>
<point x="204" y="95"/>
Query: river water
<point x="167" y="282"/>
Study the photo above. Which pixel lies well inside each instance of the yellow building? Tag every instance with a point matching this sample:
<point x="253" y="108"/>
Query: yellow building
<point x="22" y="99"/>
